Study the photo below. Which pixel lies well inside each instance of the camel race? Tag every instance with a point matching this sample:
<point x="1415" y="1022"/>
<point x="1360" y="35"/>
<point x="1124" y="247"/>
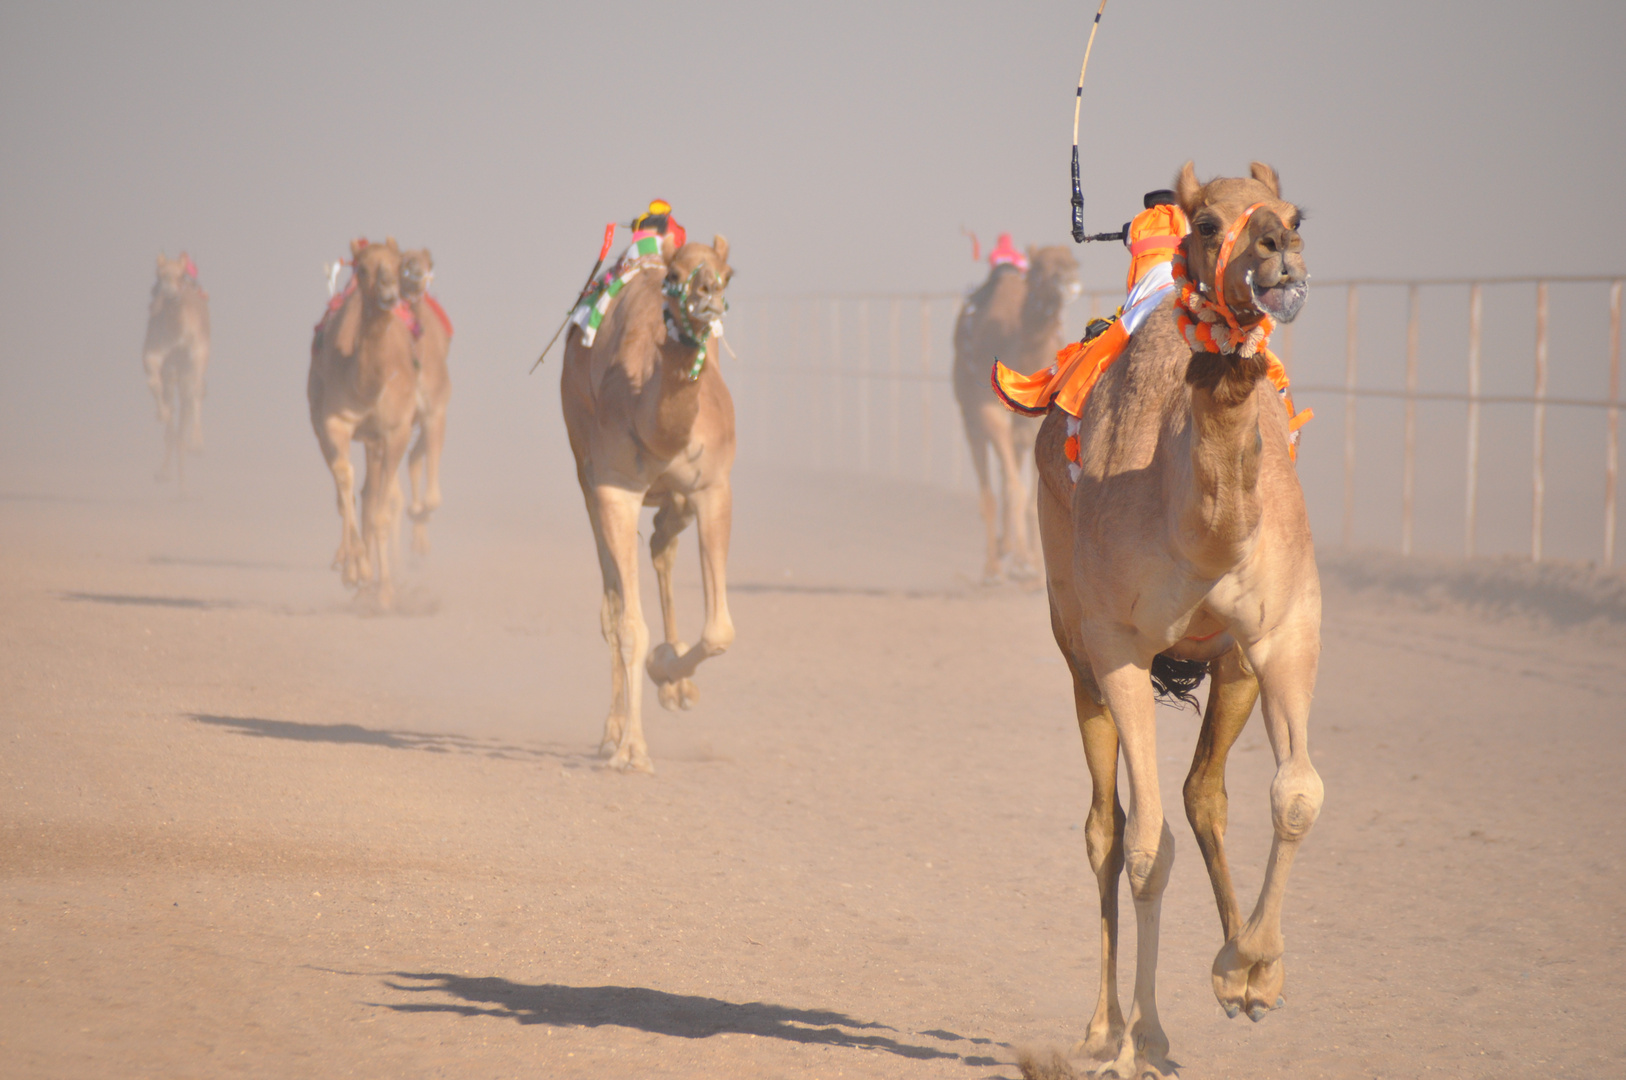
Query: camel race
<point x="1043" y="541"/>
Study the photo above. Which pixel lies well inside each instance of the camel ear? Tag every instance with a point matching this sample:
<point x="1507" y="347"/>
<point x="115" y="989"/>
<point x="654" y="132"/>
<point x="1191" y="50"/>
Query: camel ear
<point x="428" y="259"/>
<point x="719" y="244"/>
<point x="357" y="247"/>
<point x="1267" y="176"/>
<point x="389" y="242"/>
<point x="1186" y="189"/>
<point x="349" y="331"/>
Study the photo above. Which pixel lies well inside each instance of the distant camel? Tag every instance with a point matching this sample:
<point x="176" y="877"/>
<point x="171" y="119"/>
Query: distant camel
<point x="176" y="354"/>
<point x="1015" y="318"/>
<point x="1185" y="540"/>
<point x="432" y="338"/>
<point x="362" y="386"/>
<point x="651" y="423"/>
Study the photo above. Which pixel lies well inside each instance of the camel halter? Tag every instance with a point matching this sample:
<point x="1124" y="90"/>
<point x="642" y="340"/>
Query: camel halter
<point x="685" y="334"/>
<point x="1200" y="332"/>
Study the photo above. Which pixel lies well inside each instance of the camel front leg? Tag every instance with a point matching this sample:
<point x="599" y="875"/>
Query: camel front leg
<point x="714" y="509"/>
<point x="1248" y="971"/>
<point x="670" y="520"/>
<point x="987" y="502"/>
<point x="381" y="501"/>
<point x="1232" y="692"/>
<point x="1103" y="837"/>
<point x="333" y="435"/>
<point x="1013" y="502"/>
<point x="1148" y="847"/>
<point x="617" y="526"/>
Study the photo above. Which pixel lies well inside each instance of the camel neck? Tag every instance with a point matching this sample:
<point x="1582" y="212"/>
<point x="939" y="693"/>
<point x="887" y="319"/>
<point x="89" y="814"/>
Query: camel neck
<point x="1221" y="511"/>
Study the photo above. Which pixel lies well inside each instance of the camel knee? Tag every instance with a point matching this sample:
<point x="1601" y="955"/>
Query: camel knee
<point x="1148" y="870"/>
<point x="1295" y="799"/>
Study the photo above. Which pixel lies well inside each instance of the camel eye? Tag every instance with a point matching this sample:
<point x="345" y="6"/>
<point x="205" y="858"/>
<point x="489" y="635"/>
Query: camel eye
<point x="1207" y="228"/>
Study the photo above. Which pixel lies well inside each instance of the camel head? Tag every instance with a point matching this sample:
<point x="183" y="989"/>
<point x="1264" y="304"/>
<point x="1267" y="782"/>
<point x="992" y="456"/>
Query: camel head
<point x="1264" y="274"/>
<point x="417" y="271"/>
<point x="378" y="271"/>
<point x="695" y="279"/>
<point x="1052" y="280"/>
<point x="171" y="277"/>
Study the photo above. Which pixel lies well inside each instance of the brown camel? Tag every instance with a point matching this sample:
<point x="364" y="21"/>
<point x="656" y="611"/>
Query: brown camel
<point x="362" y="386"/>
<point x="432" y="340"/>
<point x="1015" y="318"/>
<point x="1185" y="540"/>
<point x="175" y="355"/>
<point x="651" y="423"/>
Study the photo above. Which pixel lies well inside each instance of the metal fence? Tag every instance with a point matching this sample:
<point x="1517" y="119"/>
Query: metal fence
<point x="859" y="382"/>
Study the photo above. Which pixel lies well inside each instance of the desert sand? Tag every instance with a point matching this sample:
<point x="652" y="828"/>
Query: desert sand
<point x="248" y="828"/>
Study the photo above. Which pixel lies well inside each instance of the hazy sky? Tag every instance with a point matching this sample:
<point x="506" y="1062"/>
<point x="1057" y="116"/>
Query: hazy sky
<point x="838" y="145"/>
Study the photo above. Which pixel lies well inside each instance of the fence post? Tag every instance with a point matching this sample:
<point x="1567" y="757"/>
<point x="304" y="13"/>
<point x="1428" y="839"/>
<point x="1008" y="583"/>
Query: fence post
<point x="1475" y="308"/>
<point x="1538" y="490"/>
<point x="895" y="390"/>
<point x="1612" y="453"/>
<point x="865" y="386"/>
<point x="1408" y="486"/>
<point x="1351" y="310"/>
<point x="836" y="381"/>
<point x="926" y="387"/>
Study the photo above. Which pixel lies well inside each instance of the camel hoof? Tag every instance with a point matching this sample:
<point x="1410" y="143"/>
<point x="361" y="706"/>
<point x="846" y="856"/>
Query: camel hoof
<point x="632" y="759"/>
<point x="667" y="694"/>
<point x="1281" y="1003"/>
<point x="688" y="693"/>
<point x="1257" y="1013"/>
<point x="1232" y="1011"/>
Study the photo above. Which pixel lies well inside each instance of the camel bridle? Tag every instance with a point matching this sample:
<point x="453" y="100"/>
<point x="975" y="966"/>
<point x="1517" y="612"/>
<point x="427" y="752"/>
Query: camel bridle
<point x="693" y="329"/>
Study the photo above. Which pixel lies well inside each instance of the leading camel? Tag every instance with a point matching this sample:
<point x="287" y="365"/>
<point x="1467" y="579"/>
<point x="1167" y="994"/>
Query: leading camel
<point x="1016" y="318"/>
<point x="175" y="356"/>
<point x="651" y="423"/>
<point x="1185" y="539"/>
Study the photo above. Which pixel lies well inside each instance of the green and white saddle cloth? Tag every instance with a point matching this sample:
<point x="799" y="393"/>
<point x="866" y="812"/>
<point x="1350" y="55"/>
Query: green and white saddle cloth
<point x="643" y="254"/>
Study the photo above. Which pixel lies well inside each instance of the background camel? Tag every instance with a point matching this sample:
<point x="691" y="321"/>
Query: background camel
<point x="432" y="338"/>
<point x="175" y="355"/>
<point x="362" y="386"/>
<point x="651" y="423"/>
<point x="1015" y="318"/>
<point x="1185" y="540"/>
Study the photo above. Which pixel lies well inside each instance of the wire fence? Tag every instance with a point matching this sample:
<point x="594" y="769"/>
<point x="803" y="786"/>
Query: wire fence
<point x="1428" y="402"/>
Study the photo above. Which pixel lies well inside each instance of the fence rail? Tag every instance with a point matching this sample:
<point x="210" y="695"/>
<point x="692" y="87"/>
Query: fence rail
<point x="810" y="374"/>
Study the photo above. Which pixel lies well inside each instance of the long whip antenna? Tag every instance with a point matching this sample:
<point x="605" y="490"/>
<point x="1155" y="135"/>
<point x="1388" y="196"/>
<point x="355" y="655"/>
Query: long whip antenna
<point x="1078" y="100"/>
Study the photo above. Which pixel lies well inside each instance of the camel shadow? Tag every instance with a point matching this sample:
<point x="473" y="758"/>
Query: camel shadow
<point x="356" y="735"/>
<point x="122" y="600"/>
<point x="683" y="1016"/>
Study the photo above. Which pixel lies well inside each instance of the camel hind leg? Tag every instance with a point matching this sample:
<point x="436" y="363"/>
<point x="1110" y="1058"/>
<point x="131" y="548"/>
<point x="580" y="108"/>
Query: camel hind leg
<point x="423" y="468"/>
<point x="671" y="519"/>
<point x="380" y="505"/>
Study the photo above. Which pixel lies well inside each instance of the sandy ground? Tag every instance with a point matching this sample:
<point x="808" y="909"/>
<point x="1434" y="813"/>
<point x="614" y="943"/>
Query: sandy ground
<point x="247" y="829"/>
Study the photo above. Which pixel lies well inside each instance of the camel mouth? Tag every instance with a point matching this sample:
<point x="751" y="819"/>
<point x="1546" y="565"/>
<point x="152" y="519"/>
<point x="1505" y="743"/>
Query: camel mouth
<point x="1281" y="301"/>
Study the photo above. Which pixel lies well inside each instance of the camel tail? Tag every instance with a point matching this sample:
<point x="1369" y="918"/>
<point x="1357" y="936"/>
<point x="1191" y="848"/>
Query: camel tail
<point x="1174" y="680"/>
